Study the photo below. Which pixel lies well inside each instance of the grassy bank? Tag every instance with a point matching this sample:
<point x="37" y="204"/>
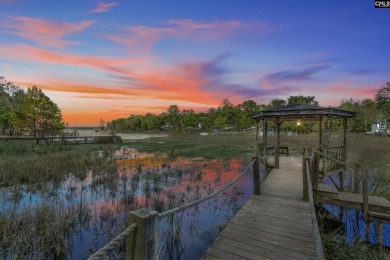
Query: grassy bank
<point x="209" y="147"/>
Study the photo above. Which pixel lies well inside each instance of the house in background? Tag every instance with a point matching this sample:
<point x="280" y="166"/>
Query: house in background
<point x="378" y="127"/>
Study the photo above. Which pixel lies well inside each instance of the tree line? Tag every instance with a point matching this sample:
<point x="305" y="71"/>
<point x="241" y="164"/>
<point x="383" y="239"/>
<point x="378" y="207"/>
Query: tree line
<point x="33" y="112"/>
<point x="28" y="111"/>
<point x="227" y="115"/>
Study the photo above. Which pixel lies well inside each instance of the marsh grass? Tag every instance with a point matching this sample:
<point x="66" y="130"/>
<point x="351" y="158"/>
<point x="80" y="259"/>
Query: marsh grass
<point x="336" y="247"/>
<point x="25" y="163"/>
<point x="161" y="182"/>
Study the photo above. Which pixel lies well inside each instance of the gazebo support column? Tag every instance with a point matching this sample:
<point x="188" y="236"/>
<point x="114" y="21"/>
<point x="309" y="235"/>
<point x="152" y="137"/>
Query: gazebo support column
<point x="258" y="145"/>
<point x="345" y="126"/>
<point x="265" y="135"/>
<point x="278" y="123"/>
<point x="265" y="148"/>
<point x="320" y="134"/>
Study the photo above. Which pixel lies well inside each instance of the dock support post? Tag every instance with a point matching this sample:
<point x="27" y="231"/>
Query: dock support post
<point x="368" y="228"/>
<point x="316" y="169"/>
<point x="341" y="178"/>
<point x="304" y="188"/>
<point x="356" y="180"/>
<point x="380" y="233"/>
<point x="277" y="157"/>
<point x="256" y="176"/>
<point x="365" y="194"/>
<point x="141" y="244"/>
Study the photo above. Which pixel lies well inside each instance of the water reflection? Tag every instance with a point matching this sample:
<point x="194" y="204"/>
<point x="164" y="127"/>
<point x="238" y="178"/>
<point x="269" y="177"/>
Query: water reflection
<point x="77" y="217"/>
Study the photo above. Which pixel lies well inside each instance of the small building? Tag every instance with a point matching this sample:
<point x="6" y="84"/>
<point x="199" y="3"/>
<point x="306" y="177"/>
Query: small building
<point x="166" y="127"/>
<point x="378" y="127"/>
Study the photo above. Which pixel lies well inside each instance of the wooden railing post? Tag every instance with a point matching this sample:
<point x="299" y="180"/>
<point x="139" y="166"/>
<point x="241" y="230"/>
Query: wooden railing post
<point x="141" y="243"/>
<point x="380" y="233"/>
<point x="304" y="174"/>
<point x="256" y="176"/>
<point x="316" y="169"/>
<point x="277" y="157"/>
<point x="365" y="194"/>
<point x="259" y="148"/>
<point x="341" y="178"/>
<point x="356" y="179"/>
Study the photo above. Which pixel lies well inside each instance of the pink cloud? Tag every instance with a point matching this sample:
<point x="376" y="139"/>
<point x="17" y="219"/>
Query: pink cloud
<point x="103" y="7"/>
<point x="350" y="89"/>
<point x="152" y="82"/>
<point x="44" y="32"/>
<point x="146" y="36"/>
<point x="26" y="52"/>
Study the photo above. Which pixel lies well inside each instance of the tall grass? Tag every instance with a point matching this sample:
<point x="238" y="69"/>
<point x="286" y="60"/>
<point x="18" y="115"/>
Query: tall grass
<point x="25" y="163"/>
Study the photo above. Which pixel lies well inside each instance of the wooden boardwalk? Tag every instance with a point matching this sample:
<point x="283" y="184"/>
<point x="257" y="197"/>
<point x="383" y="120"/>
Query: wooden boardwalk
<point x="274" y="225"/>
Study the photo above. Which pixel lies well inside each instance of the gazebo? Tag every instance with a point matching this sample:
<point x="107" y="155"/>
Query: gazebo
<point x="299" y="112"/>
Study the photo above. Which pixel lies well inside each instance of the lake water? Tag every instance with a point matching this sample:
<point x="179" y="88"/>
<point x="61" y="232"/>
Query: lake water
<point x="124" y="136"/>
<point x="352" y="219"/>
<point x="80" y="216"/>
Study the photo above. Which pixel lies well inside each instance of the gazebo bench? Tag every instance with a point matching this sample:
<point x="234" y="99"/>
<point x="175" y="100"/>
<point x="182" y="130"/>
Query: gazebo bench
<point x="282" y="150"/>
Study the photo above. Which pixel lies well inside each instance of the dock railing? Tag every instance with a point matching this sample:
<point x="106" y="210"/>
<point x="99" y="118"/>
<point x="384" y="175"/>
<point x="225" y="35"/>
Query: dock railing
<point x="311" y="166"/>
<point x="141" y="232"/>
<point x="308" y="195"/>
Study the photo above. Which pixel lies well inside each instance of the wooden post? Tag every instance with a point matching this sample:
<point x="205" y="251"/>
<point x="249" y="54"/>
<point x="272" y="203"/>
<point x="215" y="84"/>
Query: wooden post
<point x="345" y="126"/>
<point x="277" y="151"/>
<point x="259" y="148"/>
<point x="320" y="134"/>
<point x="356" y="180"/>
<point x="367" y="231"/>
<point x="304" y="174"/>
<point x="265" y="136"/>
<point x="341" y="178"/>
<point x="140" y="243"/>
<point x="277" y="157"/>
<point x="256" y="176"/>
<point x="257" y="131"/>
<point x="316" y="169"/>
<point x="365" y="194"/>
<point x="380" y="233"/>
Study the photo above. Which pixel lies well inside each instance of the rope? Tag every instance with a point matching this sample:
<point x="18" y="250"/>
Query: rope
<point x="340" y="162"/>
<point x="196" y="202"/>
<point x="113" y="243"/>
<point x="317" y="236"/>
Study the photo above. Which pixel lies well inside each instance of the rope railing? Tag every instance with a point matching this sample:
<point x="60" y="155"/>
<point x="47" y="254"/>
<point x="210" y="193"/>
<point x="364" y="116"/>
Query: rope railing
<point x="196" y="202"/>
<point x="316" y="232"/>
<point x="113" y="243"/>
<point x="340" y="162"/>
<point x="102" y="252"/>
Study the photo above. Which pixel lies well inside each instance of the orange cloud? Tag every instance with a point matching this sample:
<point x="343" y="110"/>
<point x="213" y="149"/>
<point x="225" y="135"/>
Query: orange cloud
<point x="177" y="83"/>
<point x="42" y="31"/>
<point x="103" y="7"/>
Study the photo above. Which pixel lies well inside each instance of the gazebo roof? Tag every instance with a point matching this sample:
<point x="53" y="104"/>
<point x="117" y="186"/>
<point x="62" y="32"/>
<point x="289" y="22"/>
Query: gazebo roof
<point x="304" y="112"/>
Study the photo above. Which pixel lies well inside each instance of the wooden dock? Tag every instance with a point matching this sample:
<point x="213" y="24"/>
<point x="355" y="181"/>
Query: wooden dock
<point x="274" y="225"/>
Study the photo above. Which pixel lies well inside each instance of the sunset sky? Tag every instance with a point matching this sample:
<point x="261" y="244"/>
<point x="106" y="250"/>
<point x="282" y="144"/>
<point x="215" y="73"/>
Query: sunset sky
<point x="110" y="59"/>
